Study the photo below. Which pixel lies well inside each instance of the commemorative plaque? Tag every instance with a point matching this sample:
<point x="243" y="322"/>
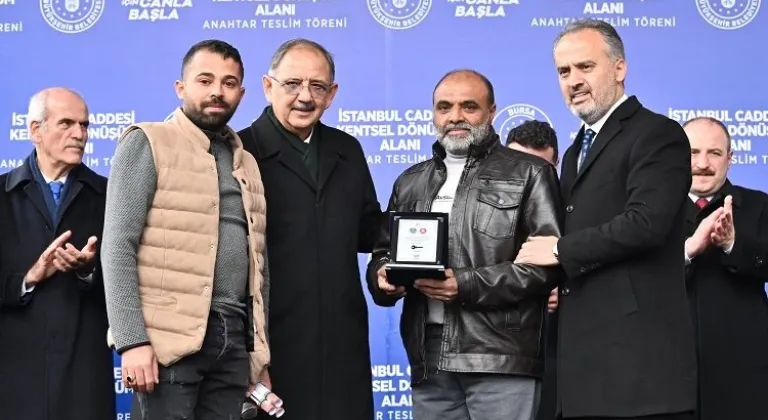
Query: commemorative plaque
<point x="418" y="247"/>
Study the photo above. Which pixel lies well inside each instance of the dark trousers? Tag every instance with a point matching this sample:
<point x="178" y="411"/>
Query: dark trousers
<point x="448" y="395"/>
<point x="208" y="385"/>
<point x="678" y="416"/>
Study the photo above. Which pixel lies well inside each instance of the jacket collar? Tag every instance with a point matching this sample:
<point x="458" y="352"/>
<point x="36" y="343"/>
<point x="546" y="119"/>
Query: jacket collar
<point x="269" y="133"/>
<point x="81" y="173"/>
<point x="200" y="138"/>
<point x="480" y="150"/>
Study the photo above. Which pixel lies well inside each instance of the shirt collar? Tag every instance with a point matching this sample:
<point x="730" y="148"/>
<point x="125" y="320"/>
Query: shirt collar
<point x="309" y="137"/>
<point x="695" y="197"/>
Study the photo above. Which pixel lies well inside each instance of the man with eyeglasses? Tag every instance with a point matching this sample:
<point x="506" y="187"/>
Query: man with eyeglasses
<point x="322" y="211"/>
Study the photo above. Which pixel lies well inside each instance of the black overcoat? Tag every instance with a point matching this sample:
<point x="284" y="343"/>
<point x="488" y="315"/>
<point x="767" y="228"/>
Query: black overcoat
<point x="54" y="359"/>
<point x="318" y="315"/>
<point x="730" y="310"/>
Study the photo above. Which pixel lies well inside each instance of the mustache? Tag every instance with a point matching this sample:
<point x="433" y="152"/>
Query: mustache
<point x="216" y="101"/>
<point x="79" y="145"/>
<point x="303" y="106"/>
<point x="703" y="172"/>
<point x="462" y="125"/>
<point x="576" y="91"/>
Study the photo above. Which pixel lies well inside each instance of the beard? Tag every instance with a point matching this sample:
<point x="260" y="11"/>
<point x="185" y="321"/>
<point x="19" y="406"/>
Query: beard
<point x="602" y="100"/>
<point x="210" y="122"/>
<point x="459" y="145"/>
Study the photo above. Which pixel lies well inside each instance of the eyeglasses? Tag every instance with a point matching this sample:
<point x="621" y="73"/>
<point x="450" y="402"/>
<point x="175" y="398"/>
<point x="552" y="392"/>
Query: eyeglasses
<point x="317" y="89"/>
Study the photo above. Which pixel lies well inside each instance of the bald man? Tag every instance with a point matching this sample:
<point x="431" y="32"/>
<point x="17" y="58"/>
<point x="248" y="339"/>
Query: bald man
<point x="54" y="362"/>
<point x="726" y="257"/>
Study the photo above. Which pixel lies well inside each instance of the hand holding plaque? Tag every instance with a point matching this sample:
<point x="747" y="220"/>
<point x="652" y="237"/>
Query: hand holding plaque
<point x="418" y="247"/>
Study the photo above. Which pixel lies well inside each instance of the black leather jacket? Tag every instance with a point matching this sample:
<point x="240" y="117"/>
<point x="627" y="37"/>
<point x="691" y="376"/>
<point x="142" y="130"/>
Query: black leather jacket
<point x="495" y="324"/>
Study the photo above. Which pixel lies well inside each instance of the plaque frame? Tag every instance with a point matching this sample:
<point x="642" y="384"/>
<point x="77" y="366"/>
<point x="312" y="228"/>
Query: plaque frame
<point x="404" y="273"/>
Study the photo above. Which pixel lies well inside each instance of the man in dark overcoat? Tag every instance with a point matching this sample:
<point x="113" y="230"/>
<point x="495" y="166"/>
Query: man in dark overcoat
<point x="54" y="361"/>
<point x="625" y="343"/>
<point x="726" y="256"/>
<point x="322" y="211"/>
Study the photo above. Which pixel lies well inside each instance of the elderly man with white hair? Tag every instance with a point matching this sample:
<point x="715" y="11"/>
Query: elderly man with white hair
<point x="53" y="359"/>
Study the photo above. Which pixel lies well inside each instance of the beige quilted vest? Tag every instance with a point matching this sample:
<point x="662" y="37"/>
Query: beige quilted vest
<point x="177" y="253"/>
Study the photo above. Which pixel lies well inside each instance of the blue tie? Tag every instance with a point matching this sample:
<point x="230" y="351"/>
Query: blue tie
<point x="56" y="187"/>
<point x="586" y="142"/>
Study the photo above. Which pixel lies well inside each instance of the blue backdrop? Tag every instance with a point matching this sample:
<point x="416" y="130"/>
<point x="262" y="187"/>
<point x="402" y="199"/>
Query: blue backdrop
<point x="123" y="56"/>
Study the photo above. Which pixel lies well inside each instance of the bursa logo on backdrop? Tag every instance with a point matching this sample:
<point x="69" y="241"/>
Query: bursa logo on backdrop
<point x="71" y="16"/>
<point x="399" y="14"/>
<point x="516" y="114"/>
<point x="728" y="14"/>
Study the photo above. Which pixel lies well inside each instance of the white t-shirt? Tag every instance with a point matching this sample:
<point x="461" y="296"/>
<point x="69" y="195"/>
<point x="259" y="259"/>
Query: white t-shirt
<point x="443" y="204"/>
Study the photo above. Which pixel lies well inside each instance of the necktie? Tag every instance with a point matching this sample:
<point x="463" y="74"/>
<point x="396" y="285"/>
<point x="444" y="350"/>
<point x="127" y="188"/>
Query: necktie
<point x="586" y="142"/>
<point x="701" y="203"/>
<point x="56" y="187"/>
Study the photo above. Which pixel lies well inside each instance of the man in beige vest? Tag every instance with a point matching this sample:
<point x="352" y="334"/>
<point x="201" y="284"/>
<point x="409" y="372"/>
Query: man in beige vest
<point x="184" y="256"/>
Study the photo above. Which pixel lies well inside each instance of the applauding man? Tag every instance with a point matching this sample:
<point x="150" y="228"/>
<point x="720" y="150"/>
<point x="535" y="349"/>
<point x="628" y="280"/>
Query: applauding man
<point x="726" y="268"/>
<point x="53" y="361"/>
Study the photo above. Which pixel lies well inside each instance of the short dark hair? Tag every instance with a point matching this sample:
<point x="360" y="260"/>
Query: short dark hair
<point x="717" y="123"/>
<point x="225" y="50"/>
<point x="287" y="46"/>
<point x="538" y="135"/>
<point x="486" y="82"/>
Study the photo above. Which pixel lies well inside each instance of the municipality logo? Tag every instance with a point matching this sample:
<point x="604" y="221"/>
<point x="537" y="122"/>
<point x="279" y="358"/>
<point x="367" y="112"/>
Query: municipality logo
<point x="71" y="16"/>
<point x="399" y="14"/>
<point x="728" y="14"/>
<point x="516" y="114"/>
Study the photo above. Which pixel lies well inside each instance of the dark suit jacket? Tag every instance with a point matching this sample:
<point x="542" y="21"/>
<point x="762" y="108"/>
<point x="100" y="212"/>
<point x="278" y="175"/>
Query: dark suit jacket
<point x="54" y="361"/>
<point x="625" y="344"/>
<point x="318" y="315"/>
<point x="730" y="309"/>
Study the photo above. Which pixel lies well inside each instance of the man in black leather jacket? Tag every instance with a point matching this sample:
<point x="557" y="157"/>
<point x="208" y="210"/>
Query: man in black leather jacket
<point x="474" y="340"/>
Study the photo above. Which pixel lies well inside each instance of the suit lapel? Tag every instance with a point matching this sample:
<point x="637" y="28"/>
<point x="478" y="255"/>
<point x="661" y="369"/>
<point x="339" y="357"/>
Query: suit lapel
<point x="329" y="157"/>
<point x="269" y="141"/>
<point x="36" y="198"/>
<point x="610" y="130"/>
<point x="290" y="159"/>
<point x="74" y="189"/>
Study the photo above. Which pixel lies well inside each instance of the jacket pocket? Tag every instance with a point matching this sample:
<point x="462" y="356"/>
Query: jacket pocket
<point x="496" y="213"/>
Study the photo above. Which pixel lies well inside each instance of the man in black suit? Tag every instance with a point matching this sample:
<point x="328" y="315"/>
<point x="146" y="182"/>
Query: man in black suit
<point x="625" y="342"/>
<point x="322" y="211"/>
<point x="726" y="255"/>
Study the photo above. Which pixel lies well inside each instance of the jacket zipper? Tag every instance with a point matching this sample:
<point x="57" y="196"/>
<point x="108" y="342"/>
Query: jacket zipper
<point x="428" y="208"/>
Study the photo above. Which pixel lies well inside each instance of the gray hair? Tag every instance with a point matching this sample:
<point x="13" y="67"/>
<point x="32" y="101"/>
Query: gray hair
<point x="37" y="111"/>
<point x="612" y="39"/>
<point x="278" y="56"/>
